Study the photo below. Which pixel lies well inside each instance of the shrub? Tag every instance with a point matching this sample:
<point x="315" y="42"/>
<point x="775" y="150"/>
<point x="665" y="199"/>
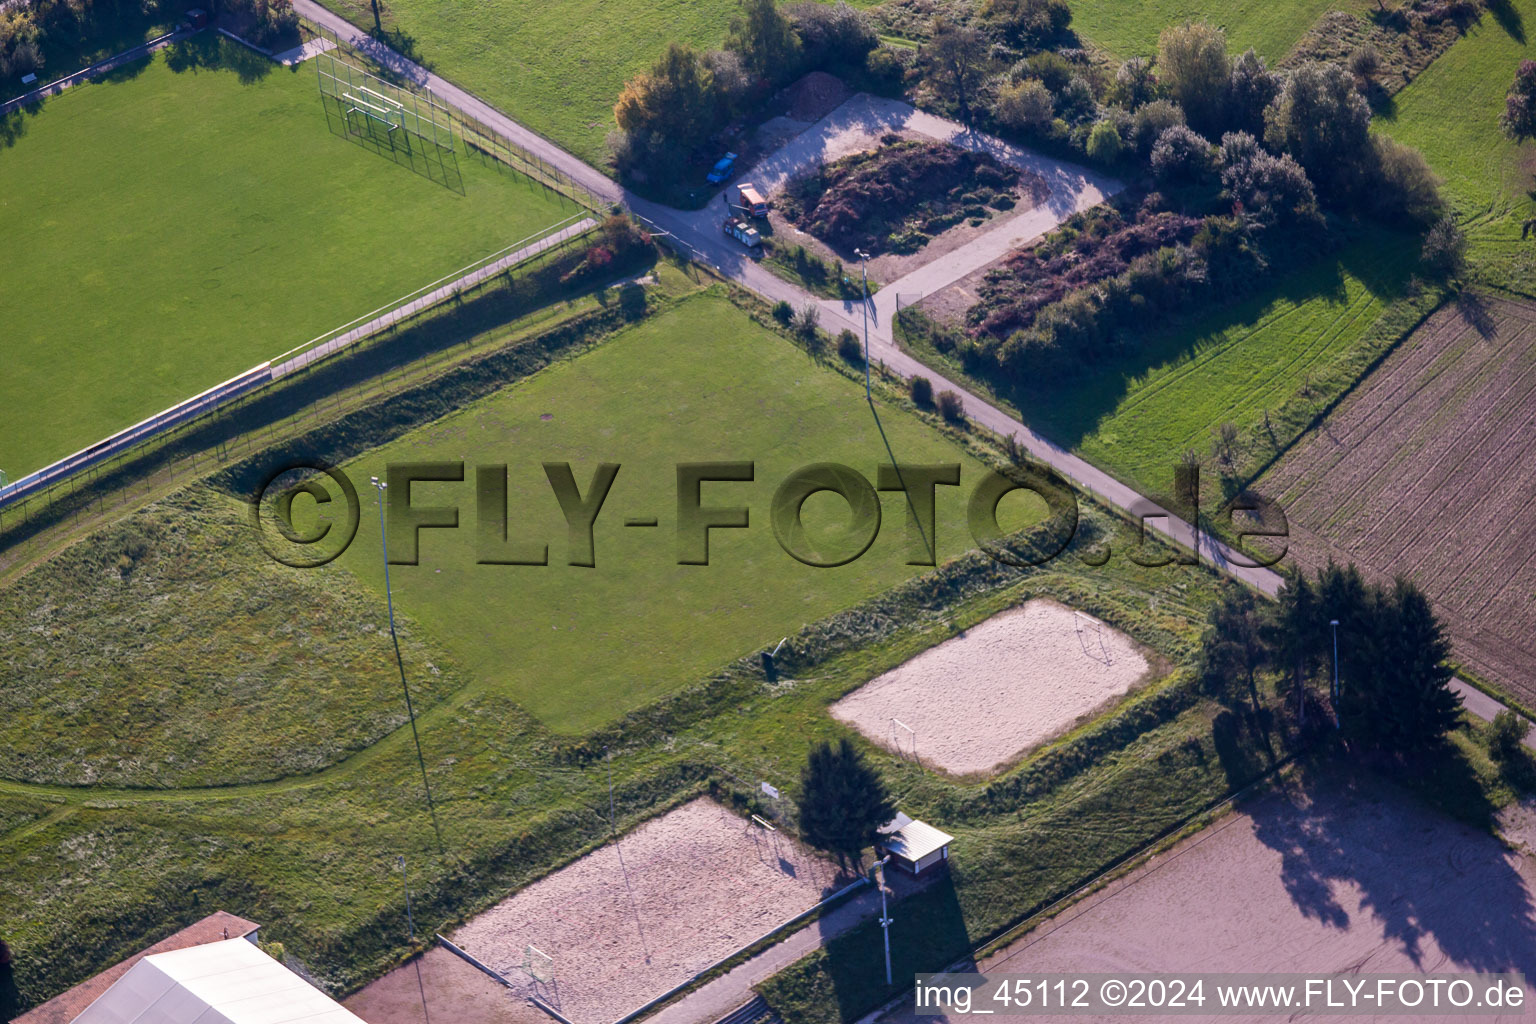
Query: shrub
<point x="1506" y="736"/>
<point x="783" y="312"/>
<point x="884" y="68"/>
<point x="1135" y="84"/>
<point x="1193" y="64"/>
<point x="1027" y="105"/>
<point x="1028" y="24"/>
<point x="1252" y="88"/>
<point x="807" y="320"/>
<point x="1445" y="249"/>
<point x="1519" y="118"/>
<point x="1401" y="184"/>
<point x="1181" y="155"/>
<point x="849" y="347"/>
<point x="1273" y="189"/>
<point x="921" y="389"/>
<point x="1151" y="120"/>
<point x="951" y="407"/>
<point x="833" y="34"/>
<point x="1104" y="143"/>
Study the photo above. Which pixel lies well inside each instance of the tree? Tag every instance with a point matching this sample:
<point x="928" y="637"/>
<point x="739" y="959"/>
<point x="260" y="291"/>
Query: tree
<point x="1408" y="697"/>
<point x="1519" y="117"/>
<point x="1027" y="24"/>
<point x="1235" y="645"/>
<point x="1321" y="120"/>
<point x="832" y="34"/>
<point x="955" y="63"/>
<point x="1292" y="629"/>
<point x="1135" y="83"/>
<point x="1252" y="88"/>
<point x="1401" y="185"/>
<point x="1151" y="120"/>
<point x="766" y="40"/>
<point x="1193" y="65"/>
<point x="1025" y="105"/>
<point x="843" y="802"/>
<point x="670" y="107"/>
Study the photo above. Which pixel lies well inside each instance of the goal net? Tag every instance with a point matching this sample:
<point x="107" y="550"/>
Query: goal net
<point x="368" y="102"/>
<point x="538" y="965"/>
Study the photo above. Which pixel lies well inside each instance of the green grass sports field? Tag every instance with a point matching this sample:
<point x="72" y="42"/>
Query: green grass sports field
<point x="196" y="214"/>
<point x="580" y="646"/>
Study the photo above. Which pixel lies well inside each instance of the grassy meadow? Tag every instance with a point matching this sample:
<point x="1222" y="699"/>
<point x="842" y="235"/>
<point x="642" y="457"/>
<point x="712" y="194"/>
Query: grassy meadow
<point x="234" y="222"/>
<point x="1451" y="113"/>
<point x="1131" y="29"/>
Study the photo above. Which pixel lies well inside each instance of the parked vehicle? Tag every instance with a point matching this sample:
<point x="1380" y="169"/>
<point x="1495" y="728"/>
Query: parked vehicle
<point x="722" y="169"/>
<point x="751" y="200"/>
<point x="743" y="231"/>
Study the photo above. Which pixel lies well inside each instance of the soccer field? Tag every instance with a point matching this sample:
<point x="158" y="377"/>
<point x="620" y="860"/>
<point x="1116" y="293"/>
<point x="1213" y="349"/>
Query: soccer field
<point x="195" y="214"/>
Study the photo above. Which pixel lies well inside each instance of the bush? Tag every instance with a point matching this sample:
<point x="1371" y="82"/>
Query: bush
<point x="951" y="407"/>
<point x="1151" y="120"/>
<point x="807" y="320"/>
<point x="1027" y="24"/>
<point x="1181" y="155"/>
<point x="1506" y="736"/>
<point x="921" y="389"/>
<point x="1402" y="186"/>
<point x="1445" y="249"/>
<point x="1193" y="65"/>
<point x="849" y="347"/>
<point x="1519" y="118"/>
<point x="783" y="312"/>
<point x="1027" y="106"/>
<point x="1104" y="143"/>
<point x="884" y="68"/>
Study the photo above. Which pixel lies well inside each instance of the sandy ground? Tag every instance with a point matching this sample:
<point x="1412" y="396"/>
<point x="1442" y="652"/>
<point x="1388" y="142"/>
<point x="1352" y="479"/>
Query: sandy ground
<point x="1348" y="877"/>
<point x="626" y="923"/>
<point x="978" y="700"/>
<point x="454" y="992"/>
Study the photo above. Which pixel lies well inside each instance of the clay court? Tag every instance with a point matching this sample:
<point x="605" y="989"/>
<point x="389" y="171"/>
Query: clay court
<point x="1428" y="469"/>
<point x="980" y="699"/>
<point x="629" y="921"/>
<point x="1341" y="876"/>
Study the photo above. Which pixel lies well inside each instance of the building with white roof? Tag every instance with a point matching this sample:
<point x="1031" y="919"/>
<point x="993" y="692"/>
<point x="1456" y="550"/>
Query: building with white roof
<point x="228" y="982"/>
<point x="913" y="845"/>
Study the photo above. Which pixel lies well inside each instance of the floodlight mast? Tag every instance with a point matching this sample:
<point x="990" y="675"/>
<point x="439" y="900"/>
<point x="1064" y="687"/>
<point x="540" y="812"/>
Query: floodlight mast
<point x="410" y="710"/>
<point x="864" y="289"/>
<point x="885" y="918"/>
<point x="1337" y="713"/>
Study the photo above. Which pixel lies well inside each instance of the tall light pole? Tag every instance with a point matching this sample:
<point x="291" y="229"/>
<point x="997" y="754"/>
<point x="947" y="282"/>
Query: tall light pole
<point x="885" y="918"/>
<point x="410" y="710"/>
<point x="1337" y="714"/>
<point x="864" y="289"/>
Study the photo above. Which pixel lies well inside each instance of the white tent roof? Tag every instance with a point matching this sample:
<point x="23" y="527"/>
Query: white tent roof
<point x="913" y="839"/>
<point x="229" y="982"/>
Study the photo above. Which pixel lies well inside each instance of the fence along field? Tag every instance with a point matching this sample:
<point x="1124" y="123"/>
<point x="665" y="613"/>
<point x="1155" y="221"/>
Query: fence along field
<point x="138" y="295"/>
<point x="1386" y="480"/>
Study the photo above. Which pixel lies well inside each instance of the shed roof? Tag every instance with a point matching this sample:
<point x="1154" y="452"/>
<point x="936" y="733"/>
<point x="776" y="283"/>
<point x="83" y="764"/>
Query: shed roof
<point x="230" y="982"/>
<point x="66" y="1006"/>
<point x="911" y="839"/>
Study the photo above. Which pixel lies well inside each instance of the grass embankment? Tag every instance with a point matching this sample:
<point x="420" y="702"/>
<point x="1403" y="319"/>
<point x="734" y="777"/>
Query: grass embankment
<point x="1451" y="114"/>
<point x="1287" y="351"/>
<point x="236" y="222"/>
<point x="313" y="856"/>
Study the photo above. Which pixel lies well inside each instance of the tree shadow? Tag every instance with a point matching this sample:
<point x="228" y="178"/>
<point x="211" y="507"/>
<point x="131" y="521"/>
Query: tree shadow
<point x="1473" y="309"/>
<point x="13" y="124"/>
<point x="934" y="936"/>
<point x="207" y="51"/>
<point x="1412" y="869"/>
<point x="1509" y="19"/>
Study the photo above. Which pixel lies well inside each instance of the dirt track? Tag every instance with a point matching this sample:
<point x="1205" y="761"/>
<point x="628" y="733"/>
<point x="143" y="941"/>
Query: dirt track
<point x="1335" y="877"/>
<point x="980" y="699"/>
<point x="1429" y="469"/>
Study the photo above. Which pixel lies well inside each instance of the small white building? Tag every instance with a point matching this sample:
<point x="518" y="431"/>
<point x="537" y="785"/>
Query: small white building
<point x="228" y="982"/>
<point x="913" y="845"/>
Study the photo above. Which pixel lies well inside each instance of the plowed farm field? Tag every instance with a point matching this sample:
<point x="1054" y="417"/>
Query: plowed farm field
<point x="1429" y="470"/>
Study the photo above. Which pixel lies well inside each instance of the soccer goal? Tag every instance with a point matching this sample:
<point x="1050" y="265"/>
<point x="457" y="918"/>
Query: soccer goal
<point x="367" y="100"/>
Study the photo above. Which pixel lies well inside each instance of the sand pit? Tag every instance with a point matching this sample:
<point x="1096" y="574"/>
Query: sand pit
<point x="628" y="922"/>
<point x="978" y="700"/>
